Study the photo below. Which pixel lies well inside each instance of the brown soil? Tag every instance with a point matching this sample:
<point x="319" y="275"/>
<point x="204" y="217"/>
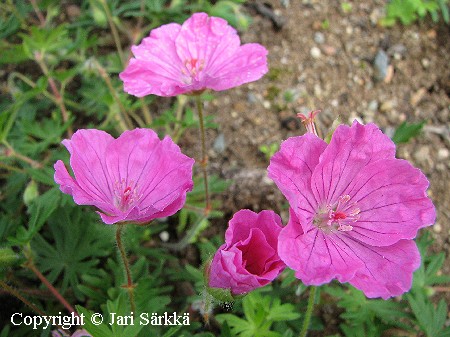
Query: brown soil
<point x="340" y="82"/>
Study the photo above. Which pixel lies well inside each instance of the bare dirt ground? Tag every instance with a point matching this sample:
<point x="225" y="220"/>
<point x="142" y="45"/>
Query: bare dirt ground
<point x="323" y="58"/>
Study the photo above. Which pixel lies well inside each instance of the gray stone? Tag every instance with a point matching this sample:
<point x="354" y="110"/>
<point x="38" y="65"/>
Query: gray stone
<point x="319" y="37"/>
<point x="219" y="143"/>
<point x="381" y="64"/>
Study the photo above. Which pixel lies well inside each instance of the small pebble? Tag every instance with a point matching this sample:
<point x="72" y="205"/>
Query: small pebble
<point x="319" y="37"/>
<point x="266" y="104"/>
<point x="373" y="105"/>
<point x="164" y="236"/>
<point x="437" y="228"/>
<point x="219" y="143"/>
<point x="251" y="98"/>
<point x="422" y="155"/>
<point x="381" y="65"/>
<point x="443" y="153"/>
<point x="315" y="52"/>
<point x="425" y="63"/>
<point x="329" y="50"/>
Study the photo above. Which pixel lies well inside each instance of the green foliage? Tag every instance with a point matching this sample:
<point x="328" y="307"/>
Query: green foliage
<point x="407" y="131"/>
<point x="260" y="313"/>
<point x="72" y="248"/>
<point x="269" y="150"/>
<point x="408" y="11"/>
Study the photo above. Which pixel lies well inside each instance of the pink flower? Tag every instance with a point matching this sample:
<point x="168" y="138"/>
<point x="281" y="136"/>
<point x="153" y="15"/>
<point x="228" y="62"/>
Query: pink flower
<point x="355" y="210"/>
<point x="204" y="52"/>
<point x="77" y="333"/>
<point x="134" y="178"/>
<point x="249" y="258"/>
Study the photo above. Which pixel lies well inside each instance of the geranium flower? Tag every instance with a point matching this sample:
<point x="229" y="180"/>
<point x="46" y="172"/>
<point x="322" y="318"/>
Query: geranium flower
<point x="204" y="52"/>
<point x="355" y="210"/>
<point x="134" y="178"/>
<point x="249" y="258"/>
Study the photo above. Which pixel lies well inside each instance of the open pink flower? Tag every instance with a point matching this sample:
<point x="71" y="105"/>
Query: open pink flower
<point x="134" y="178"/>
<point x="249" y="258"/>
<point x="204" y="52"/>
<point x="355" y="210"/>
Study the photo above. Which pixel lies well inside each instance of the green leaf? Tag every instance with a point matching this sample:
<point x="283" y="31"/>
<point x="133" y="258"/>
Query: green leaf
<point x="75" y="243"/>
<point x="406" y="131"/>
<point x="95" y="330"/>
<point x="12" y="53"/>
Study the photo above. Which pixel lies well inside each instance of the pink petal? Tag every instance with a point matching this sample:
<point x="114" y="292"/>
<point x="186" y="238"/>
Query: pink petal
<point x="316" y="257"/>
<point x="158" y="171"/>
<point x="227" y="272"/>
<point x="256" y="251"/>
<point x="292" y="167"/>
<point x="391" y="196"/>
<point x="388" y="271"/>
<point x="245" y="220"/>
<point x="350" y="150"/>
<point x="206" y="38"/>
<point x="87" y="148"/>
<point x="248" y="64"/>
<point x="156" y="66"/>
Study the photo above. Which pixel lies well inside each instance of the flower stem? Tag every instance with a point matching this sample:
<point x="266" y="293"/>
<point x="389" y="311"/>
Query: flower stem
<point x="30" y="265"/>
<point x="130" y="286"/>
<point x="204" y="160"/>
<point x="16" y="294"/>
<point x="309" y="310"/>
<point x="114" y="31"/>
<point x="13" y="154"/>
<point x="125" y="121"/>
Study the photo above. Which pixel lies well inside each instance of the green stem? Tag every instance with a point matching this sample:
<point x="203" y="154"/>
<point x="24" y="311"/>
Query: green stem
<point x="125" y="121"/>
<point x="114" y="31"/>
<point x="309" y="310"/>
<point x="59" y="99"/>
<point x="130" y="286"/>
<point x="204" y="160"/>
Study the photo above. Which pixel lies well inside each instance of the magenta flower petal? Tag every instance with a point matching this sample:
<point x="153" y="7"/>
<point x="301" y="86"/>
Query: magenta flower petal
<point x="292" y="169"/>
<point x="249" y="258"/>
<point x="393" y="203"/>
<point x="350" y="150"/>
<point x="134" y="178"/>
<point x="387" y="270"/>
<point x="204" y="52"/>
<point x="316" y="258"/>
<point x="355" y="209"/>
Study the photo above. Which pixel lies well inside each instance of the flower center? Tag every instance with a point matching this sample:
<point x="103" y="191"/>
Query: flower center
<point x="191" y="69"/>
<point x="125" y="195"/>
<point x="338" y="216"/>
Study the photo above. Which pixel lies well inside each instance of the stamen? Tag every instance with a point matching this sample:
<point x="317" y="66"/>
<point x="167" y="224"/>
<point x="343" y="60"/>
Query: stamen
<point x="308" y="122"/>
<point x="125" y="195"/>
<point x="338" y="216"/>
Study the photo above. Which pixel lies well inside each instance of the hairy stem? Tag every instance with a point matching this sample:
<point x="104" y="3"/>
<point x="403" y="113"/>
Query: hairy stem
<point x="204" y="160"/>
<point x="16" y="294"/>
<point x="30" y="265"/>
<point x="309" y="310"/>
<point x="130" y="286"/>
